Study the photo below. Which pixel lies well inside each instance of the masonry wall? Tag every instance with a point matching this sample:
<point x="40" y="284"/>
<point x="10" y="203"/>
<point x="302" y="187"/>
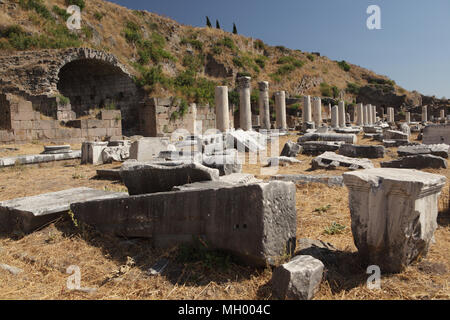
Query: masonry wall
<point x="19" y="123"/>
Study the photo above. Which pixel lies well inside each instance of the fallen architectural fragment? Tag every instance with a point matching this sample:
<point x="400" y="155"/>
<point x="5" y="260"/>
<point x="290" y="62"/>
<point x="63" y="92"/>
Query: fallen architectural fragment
<point x="227" y="162"/>
<point x="148" y="148"/>
<point x="304" y="179"/>
<point x="56" y="149"/>
<point x="440" y="150"/>
<point x="370" y="152"/>
<point x="29" y="213"/>
<point x="318" y="147"/>
<point x="419" y="161"/>
<point x="393" y="214"/>
<point x="299" y="279"/>
<point x="331" y="160"/>
<point x="281" y="161"/>
<point x="347" y="138"/>
<point x="39" y="158"/>
<point x="291" y="149"/>
<point x="255" y="222"/>
<point x="142" y="178"/>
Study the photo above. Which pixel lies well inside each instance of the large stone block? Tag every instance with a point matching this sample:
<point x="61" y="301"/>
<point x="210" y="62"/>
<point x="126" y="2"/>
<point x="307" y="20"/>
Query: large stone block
<point x="347" y="138"/>
<point x="436" y="134"/>
<point x="419" y="161"/>
<point x="27" y="214"/>
<point x="331" y="160"/>
<point x="440" y="150"/>
<point x="318" y="147"/>
<point x="393" y="214"/>
<point x="255" y="222"/>
<point x="148" y="148"/>
<point x="291" y="149"/>
<point x="142" y="178"/>
<point x="299" y="279"/>
<point x="356" y="151"/>
<point x="91" y="152"/>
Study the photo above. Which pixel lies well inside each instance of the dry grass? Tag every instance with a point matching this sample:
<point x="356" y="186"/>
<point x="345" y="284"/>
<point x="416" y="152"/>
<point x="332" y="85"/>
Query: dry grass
<point x="118" y="267"/>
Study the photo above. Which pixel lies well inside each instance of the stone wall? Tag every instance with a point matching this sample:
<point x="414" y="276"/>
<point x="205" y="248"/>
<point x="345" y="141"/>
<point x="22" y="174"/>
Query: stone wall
<point x="20" y="123"/>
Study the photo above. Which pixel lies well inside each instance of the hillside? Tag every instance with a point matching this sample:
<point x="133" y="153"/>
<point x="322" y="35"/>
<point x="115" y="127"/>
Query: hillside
<point x="168" y="58"/>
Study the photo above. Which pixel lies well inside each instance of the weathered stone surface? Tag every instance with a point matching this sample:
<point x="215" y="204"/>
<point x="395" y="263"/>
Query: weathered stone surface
<point x="348" y="138"/>
<point x="304" y="179"/>
<point x="256" y="222"/>
<point x="91" y="152"/>
<point x="299" y="279"/>
<point x="396" y="143"/>
<point x="436" y="134"/>
<point x="39" y="158"/>
<point x="118" y="154"/>
<point x="56" y="149"/>
<point x="372" y="129"/>
<point x="109" y="174"/>
<point x="439" y="150"/>
<point x="185" y="156"/>
<point x="331" y="160"/>
<point x="27" y="214"/>
<point x="142" y="178"/>
<point x="281" y="161"/>
<point x="250" y="141"/>
<point x="405" y="129"/>
<point x="321" y="250"/>
<point x="234" y="179"/>
<point x="395" y="135"/>
<point x="356" y="151"/>
<point x="227" y="163"/>
<point x="319" y="147"/>
<point x="393" y="214"/>
<point x="419" y="161"/>
<point x="13" y="270"/>
<point x="349" y="130"/>
<point x="291" y="149"/>
<point x="148" y="148"/>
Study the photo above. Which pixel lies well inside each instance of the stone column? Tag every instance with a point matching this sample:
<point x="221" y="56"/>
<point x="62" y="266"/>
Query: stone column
<point x="382" y="114"/>
<point x="366" y="115"/>
<point x="442" y="114"/>
<point x="334" y="117"/>
<point x="393" y="115"/>
<point x="374" y="114"/>
<point x="329" y="111"/>
<point x="222" y="109"/>
<point x="306" y="117"/>
<point x="341" y="108"/>
<point x="360" y="114"/>
<point x="280" y="106"/>
<point x="394" y="213"/>
<point x="408" y="117"/>
<point x="317" y="111"/>
<point x="264" y="110"/>
<point x="245" y="107"/>
<point x="424" y="114"/>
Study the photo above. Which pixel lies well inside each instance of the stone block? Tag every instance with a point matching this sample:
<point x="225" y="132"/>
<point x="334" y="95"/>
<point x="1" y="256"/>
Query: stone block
<point x="394" y="213"/>
<point x="29" y="213"/>
<point x="440" y="150"/>
<point x="347" y="138"/>
<point x="226" y="163"/>
<point x="395" y="135"/>
<point x="331" y="160"/>
<point x="256" y="222"/>
<point x="419" y="161"/>
<point x="337" y="181"/>
<point x="291" y="149"/>
<point x="299" y="279"/>
<point x="142" y="178"/>
<point x="22" y="116"/>
<point x="318" y="147"/>
<point x="44" y="124"/>
<point x="436" y="134"/>
<point x="356" y="151"/>
<point x="91" y="152"/>
<point x="110" y="114"/>
<point x="148" y="148"/>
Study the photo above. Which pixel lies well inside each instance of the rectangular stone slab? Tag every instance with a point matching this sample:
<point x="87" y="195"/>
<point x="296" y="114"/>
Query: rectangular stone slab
<point x="255" y="222"/>
<point x="39" y="158"/>
<point x="27" y="214"/>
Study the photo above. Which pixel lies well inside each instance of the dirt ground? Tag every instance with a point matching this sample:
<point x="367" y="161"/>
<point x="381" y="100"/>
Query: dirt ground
<point x="118" y="268"/>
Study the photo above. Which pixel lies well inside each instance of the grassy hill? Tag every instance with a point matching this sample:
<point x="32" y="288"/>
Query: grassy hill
<point x="168" y="58"/>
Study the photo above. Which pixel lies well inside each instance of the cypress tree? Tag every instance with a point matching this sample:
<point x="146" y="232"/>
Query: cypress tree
<point x="208" y="23"/>
<point x="234" y="28"/>
<point x="217" y="24"/>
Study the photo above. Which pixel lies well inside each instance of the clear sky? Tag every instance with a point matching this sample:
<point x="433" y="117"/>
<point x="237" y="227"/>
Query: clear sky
<point x="412" y="48"/>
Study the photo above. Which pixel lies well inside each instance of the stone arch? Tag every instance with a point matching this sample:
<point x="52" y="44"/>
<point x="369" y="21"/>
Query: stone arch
<point x="93" y="79"/>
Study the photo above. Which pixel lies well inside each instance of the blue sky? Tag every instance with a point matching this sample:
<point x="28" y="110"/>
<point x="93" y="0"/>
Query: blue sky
<point x="413" y="46"/>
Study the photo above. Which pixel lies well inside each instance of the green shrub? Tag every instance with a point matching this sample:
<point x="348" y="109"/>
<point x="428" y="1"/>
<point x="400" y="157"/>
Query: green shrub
<point x="260" y="62"/>
<point x="37" y="6"/>
<point x="132" y="32"/>
<point x="285" y="59"/>
<point x="282" y="49"/>
<point x="238" y="62"/>
<point x="79" y="3"/>
<point x="352" y="88"/>
<point x="61" y="12"/>
<point x="196" y="44"/>
<point x="64" y="101"/>
<point x="99" y="16"/>
<point x="285" y="69"/>
<point x="227" y="42"/>
<point x="310" y="57"/>
<point x="233" y="97"/>
<point x="194" y="63"/>
<point x="344" y="65"/>
<point x="259" y="45"/>
<point x="326" y="90"/>
<point x="216" y="50"/>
